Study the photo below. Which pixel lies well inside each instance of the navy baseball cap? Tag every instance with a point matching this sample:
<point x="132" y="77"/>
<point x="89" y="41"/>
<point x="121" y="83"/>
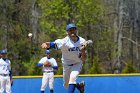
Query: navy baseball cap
<point x="4" y="51"/>
<point x="47" y="51"/>
<point x="70" y="26"/>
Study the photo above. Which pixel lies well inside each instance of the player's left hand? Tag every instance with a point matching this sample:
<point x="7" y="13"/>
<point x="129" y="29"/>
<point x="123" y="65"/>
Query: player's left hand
<point x="83" y="55"/>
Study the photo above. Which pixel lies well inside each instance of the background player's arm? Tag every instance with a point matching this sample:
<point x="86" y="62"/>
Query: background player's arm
<point x="10" y="74"/>
<point x="55" y="66"/>
<point x="11" y="79"/>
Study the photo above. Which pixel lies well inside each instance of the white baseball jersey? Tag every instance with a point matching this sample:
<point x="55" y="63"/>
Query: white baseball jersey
<point x="70" y="50"/>
<point x="48" y="75"/>
<point x="5" y="66"/>
<point x="51" y="60"/>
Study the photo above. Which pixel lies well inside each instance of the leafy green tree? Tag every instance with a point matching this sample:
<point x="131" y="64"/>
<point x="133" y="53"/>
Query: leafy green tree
<point x="129" y="68"/>
<point x="95" y="68"/>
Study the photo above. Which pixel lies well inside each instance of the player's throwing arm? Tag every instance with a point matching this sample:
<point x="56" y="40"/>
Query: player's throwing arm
<point x="45" y="45"/>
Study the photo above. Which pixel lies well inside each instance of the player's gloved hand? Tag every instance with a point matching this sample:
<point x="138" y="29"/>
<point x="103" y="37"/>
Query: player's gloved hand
<point x="47" y="64"/>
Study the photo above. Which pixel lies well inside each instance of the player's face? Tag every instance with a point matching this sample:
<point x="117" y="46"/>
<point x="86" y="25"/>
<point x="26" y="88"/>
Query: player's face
<point x="3" y="55"/>
<point x="48" y="55"/>
<point x="72" y="32"/>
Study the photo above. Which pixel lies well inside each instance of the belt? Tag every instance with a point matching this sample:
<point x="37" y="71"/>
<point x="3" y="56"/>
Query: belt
<point x="70" y="64"/>
<point x="4" y="74"/>
<point x="48" y="71"/>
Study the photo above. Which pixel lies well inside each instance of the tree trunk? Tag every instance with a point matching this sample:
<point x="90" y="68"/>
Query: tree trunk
<point x="118" y="34"/>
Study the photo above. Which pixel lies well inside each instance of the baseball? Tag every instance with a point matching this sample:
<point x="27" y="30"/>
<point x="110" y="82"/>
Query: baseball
<point x="30" y="35"/>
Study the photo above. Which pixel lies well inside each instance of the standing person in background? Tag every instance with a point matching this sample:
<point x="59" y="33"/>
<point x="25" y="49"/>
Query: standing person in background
<point x="5" y="73"/>
<point x="0" y="55"/>
<point x="49" y="65"/>
<point x="72" y="57"/>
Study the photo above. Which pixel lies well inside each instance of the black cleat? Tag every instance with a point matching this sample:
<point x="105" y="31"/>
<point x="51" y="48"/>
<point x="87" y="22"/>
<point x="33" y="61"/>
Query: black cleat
<point x="81" y="87"/>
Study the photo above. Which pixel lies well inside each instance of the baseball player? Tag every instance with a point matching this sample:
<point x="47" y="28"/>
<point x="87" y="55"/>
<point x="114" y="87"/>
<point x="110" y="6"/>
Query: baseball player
<point x="72" y="62"/>
<point x="49" y="65"/>
<point x="5" y="73"/>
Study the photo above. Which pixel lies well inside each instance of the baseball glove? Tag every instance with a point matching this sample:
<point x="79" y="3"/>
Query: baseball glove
<point x="85" y="44"/>
<point x="83" y="53"/>
<point x="47" y="64"/>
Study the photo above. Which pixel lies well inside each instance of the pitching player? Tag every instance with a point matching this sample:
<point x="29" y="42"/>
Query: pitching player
<point x="5" y="73"/>
<point x="49" y="65"/>
<point x="72" y="62"/>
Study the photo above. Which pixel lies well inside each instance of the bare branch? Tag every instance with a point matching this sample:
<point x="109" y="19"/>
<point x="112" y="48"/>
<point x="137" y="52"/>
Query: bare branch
<point x="131" y="41"/>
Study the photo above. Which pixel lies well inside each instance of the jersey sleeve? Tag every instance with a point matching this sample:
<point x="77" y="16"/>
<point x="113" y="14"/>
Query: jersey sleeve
<point x="54" y="62"/>
<point x="54" y="65"/>
<point x="59" y="43"/>
<point x="9" y="65"/>
<point x="42" y="60"/>
<point x="82" y="40"/>
<point x="10" y="70"/>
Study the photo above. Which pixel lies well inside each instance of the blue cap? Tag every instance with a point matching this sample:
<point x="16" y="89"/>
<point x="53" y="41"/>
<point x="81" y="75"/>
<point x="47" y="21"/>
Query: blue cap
<point x="70" y="26"/>
<point x="4" y="51"/>
<point x="47" y="51"/>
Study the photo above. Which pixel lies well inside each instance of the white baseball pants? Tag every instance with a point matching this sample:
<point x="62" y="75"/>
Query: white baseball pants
<point x="47" y="78"/>
<point x="70" y="73"/>
<point x="5" y="84"/>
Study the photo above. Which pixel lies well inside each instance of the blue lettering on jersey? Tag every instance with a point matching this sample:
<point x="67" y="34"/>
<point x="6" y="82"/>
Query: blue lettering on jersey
<point x="74" y="49"/>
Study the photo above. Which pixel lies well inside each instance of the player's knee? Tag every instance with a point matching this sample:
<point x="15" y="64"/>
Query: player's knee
<point x="51" y="87"/>
<point x="2" y="91"/>
<point x="72" y="80"/>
